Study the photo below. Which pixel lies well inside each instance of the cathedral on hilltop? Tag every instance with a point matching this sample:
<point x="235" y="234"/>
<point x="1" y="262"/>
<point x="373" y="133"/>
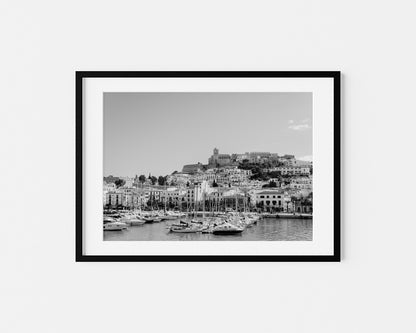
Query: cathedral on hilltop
<point x="219" y="160"/>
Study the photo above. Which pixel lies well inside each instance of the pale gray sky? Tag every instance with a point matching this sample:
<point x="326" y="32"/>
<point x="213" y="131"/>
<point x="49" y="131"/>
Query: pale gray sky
<point x="158" y="133"/>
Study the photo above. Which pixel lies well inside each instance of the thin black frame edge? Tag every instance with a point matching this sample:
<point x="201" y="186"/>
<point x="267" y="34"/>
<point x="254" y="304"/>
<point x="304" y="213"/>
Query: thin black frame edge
<point x="79" y="171"/>
<point x="337" y="166"/>
<point x="206" y="258"/>
<point x="336" y="257"/>
<point x="283" y="74"/>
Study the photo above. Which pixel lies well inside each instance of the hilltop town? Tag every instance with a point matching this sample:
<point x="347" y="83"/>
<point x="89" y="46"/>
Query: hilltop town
<point x="253" y="181"/>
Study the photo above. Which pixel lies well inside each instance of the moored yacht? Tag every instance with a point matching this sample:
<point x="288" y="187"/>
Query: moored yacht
<point x="114" y="226"/>
<point x="186" y="227"/>
<point x="137" y="221"/>
<point x="170" y="216"/>
<point x="227" y="229"/>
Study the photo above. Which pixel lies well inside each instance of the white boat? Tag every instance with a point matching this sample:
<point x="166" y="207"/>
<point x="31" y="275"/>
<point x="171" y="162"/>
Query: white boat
<point x="187" y="230"/>
<point x="147" y="219"/>
<point x="170" y="216"/>
<point x="136" y="221"/>
<point x="186" y="227"/>
<point x="177" y="214"/>
<point x="115" y="226"/>
<point x="227" y="229"/>
<point x="294" y="216"/>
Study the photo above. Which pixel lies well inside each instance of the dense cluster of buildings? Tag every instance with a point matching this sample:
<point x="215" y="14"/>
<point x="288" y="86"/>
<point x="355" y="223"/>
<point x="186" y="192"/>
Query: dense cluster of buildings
<point x="222" y="184"/>
<point x="218" y="160"/>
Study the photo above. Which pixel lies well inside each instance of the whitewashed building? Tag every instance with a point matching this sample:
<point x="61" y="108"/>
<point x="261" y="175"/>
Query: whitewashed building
<point x="270" y="199"/>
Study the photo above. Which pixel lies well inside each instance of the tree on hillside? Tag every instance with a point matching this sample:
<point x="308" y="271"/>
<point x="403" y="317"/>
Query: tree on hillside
<point x="272" y="183"/>
<point x="274" y="174"/>
<point x="110" y="179"/>
<point x="142" y="179"/>
<point x="120" y="182"/>
<point x="153" y="179"/>
<point x="258" y="174"/>
<point x="161" y="180"/>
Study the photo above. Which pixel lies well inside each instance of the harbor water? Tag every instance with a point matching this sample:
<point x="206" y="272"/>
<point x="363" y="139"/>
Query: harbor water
<point x="267" y="229"/>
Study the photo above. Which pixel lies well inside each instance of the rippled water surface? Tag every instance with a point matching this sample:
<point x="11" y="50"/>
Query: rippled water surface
<point x="269" y="229"/>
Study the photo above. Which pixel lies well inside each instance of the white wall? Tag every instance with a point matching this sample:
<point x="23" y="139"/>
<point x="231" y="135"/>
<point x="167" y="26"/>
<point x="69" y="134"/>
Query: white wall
<point x="43" y="290"/>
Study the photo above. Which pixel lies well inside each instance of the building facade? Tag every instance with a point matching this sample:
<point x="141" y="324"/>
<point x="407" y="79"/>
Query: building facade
<point x="218" y="160"/>
<point x="270" y="200"/>
<point x="293" y="170"/>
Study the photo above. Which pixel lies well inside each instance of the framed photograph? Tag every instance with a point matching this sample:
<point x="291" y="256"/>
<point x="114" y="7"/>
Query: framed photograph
<point x="208" y="166"/>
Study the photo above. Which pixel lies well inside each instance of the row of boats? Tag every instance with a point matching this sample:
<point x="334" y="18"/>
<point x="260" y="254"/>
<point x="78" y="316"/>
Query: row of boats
<point x="116" y="221"/>
<point x="218" y="224"/>
<point x="302" y="216"/>
<point x="222" y="224"/>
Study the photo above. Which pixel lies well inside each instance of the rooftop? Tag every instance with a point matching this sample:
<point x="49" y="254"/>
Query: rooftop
<point x="270" y="192"/>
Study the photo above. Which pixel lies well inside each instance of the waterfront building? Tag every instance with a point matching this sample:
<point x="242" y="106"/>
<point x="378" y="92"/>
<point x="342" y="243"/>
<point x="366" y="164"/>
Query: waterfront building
<point x="155" y="194"/>
<point x="235" y="199"/>
<point x="107" y="187"/>
<point x="131" y="200"/>
<point x="125" y="198"/>
<point x="195" y="192"/>
<point x="217" y="193"/>
<point x="270" y="200"/>
<point x="173" y="196"/>
<point x="226" y="198"/>
<point x="303" y="206"/>
<point x="114" y="199"/>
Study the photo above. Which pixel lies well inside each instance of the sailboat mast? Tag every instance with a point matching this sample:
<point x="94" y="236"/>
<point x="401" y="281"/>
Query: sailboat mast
<point x="203" y="205"/>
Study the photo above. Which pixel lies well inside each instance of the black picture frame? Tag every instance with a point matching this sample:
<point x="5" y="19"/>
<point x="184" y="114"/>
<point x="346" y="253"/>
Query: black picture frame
<point x="335" y="75"/>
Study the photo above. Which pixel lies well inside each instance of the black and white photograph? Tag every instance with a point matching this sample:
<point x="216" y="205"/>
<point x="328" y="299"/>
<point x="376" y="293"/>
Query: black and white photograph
<point x="208" y="166"/>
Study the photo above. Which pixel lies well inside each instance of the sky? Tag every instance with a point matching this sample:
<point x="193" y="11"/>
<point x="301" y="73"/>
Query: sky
<point x="158" y="133"/>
